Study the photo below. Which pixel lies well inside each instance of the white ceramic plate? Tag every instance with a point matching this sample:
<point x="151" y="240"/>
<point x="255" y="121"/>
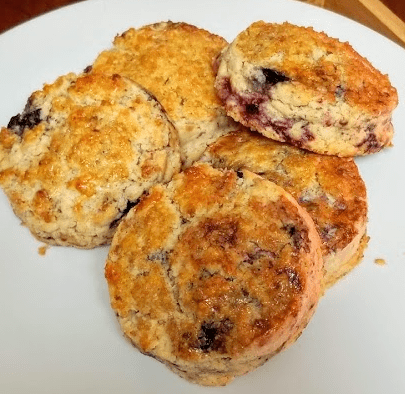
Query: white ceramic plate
<point x="57" y="332"/>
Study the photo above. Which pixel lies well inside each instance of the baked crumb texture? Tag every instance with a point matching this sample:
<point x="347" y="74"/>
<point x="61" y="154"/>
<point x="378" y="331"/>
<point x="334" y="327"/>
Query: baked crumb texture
<point x="82" y="152"/>
<point x="174" y="62"/>
<point x="229" y="278"/>
<point x="330" y="189"/>
<point x="296" y="85"/>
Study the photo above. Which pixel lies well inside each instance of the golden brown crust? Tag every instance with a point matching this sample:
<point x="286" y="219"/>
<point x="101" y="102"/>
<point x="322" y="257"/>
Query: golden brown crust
<point x="299" y="86"/>
<point x="83" y="149"/>
<point x="329" y="188"/>
<point x="173" y="61"/>
<point x="319" y="63"/>
<point x="232" y="274"/>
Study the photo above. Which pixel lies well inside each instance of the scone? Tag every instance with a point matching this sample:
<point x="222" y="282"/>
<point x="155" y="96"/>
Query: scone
<point x="174" y="62"/>
<point x="330" y="188"/>
<point x="229" y="278"/>
<point x="299" y="86"/>
<point x="82" y="152"/>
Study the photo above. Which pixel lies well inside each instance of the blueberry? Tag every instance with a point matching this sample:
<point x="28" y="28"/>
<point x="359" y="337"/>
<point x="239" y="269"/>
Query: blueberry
<point x="212" y="335"/>
<point x="28" y="119"/>
<point x="273" y="77"/>
<point x="370" y="144"/>
<point x="297" y="235"/>
<point x="252" y="109"/>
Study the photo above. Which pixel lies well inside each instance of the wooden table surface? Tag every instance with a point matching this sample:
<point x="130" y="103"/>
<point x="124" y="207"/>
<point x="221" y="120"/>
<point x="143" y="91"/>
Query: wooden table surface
<point x="384" y="16"/>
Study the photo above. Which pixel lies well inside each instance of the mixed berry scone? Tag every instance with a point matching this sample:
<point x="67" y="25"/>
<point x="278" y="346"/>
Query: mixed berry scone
<point x="299" y="86"/>
<point x="82" y="152"/>
<point x="174" y="62"/>
<point x="330" y="188"/>
<point x="229" y="278"/>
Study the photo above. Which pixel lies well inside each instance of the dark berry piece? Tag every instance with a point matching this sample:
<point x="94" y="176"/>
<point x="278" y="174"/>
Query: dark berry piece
<point x="306" y="133"/>
<point x="252" y="109"/>
<point x="258" y="254"/>
<point x="273" y="77"/>
<point x="212" y="335"/>
<point x="291" y="230"/>
<point x="88" y="69"/>
<point x="207" y="336"/>
<point x="239" y="174"/>
<point x="28" y="119"/>
<point x="296" y="235"/>
<point x="282" y="127"/>
<point x="370" y="143"/>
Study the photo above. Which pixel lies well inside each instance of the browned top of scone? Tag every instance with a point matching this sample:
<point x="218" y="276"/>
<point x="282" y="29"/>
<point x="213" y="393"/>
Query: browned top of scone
<point x="172" y="60"/>
<point x="319" y="63"/>
<point x="234" y="268"/>
<point x="83" y="146"/>
<point x="328" y="187"/>
<point x="77" y="142"/>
